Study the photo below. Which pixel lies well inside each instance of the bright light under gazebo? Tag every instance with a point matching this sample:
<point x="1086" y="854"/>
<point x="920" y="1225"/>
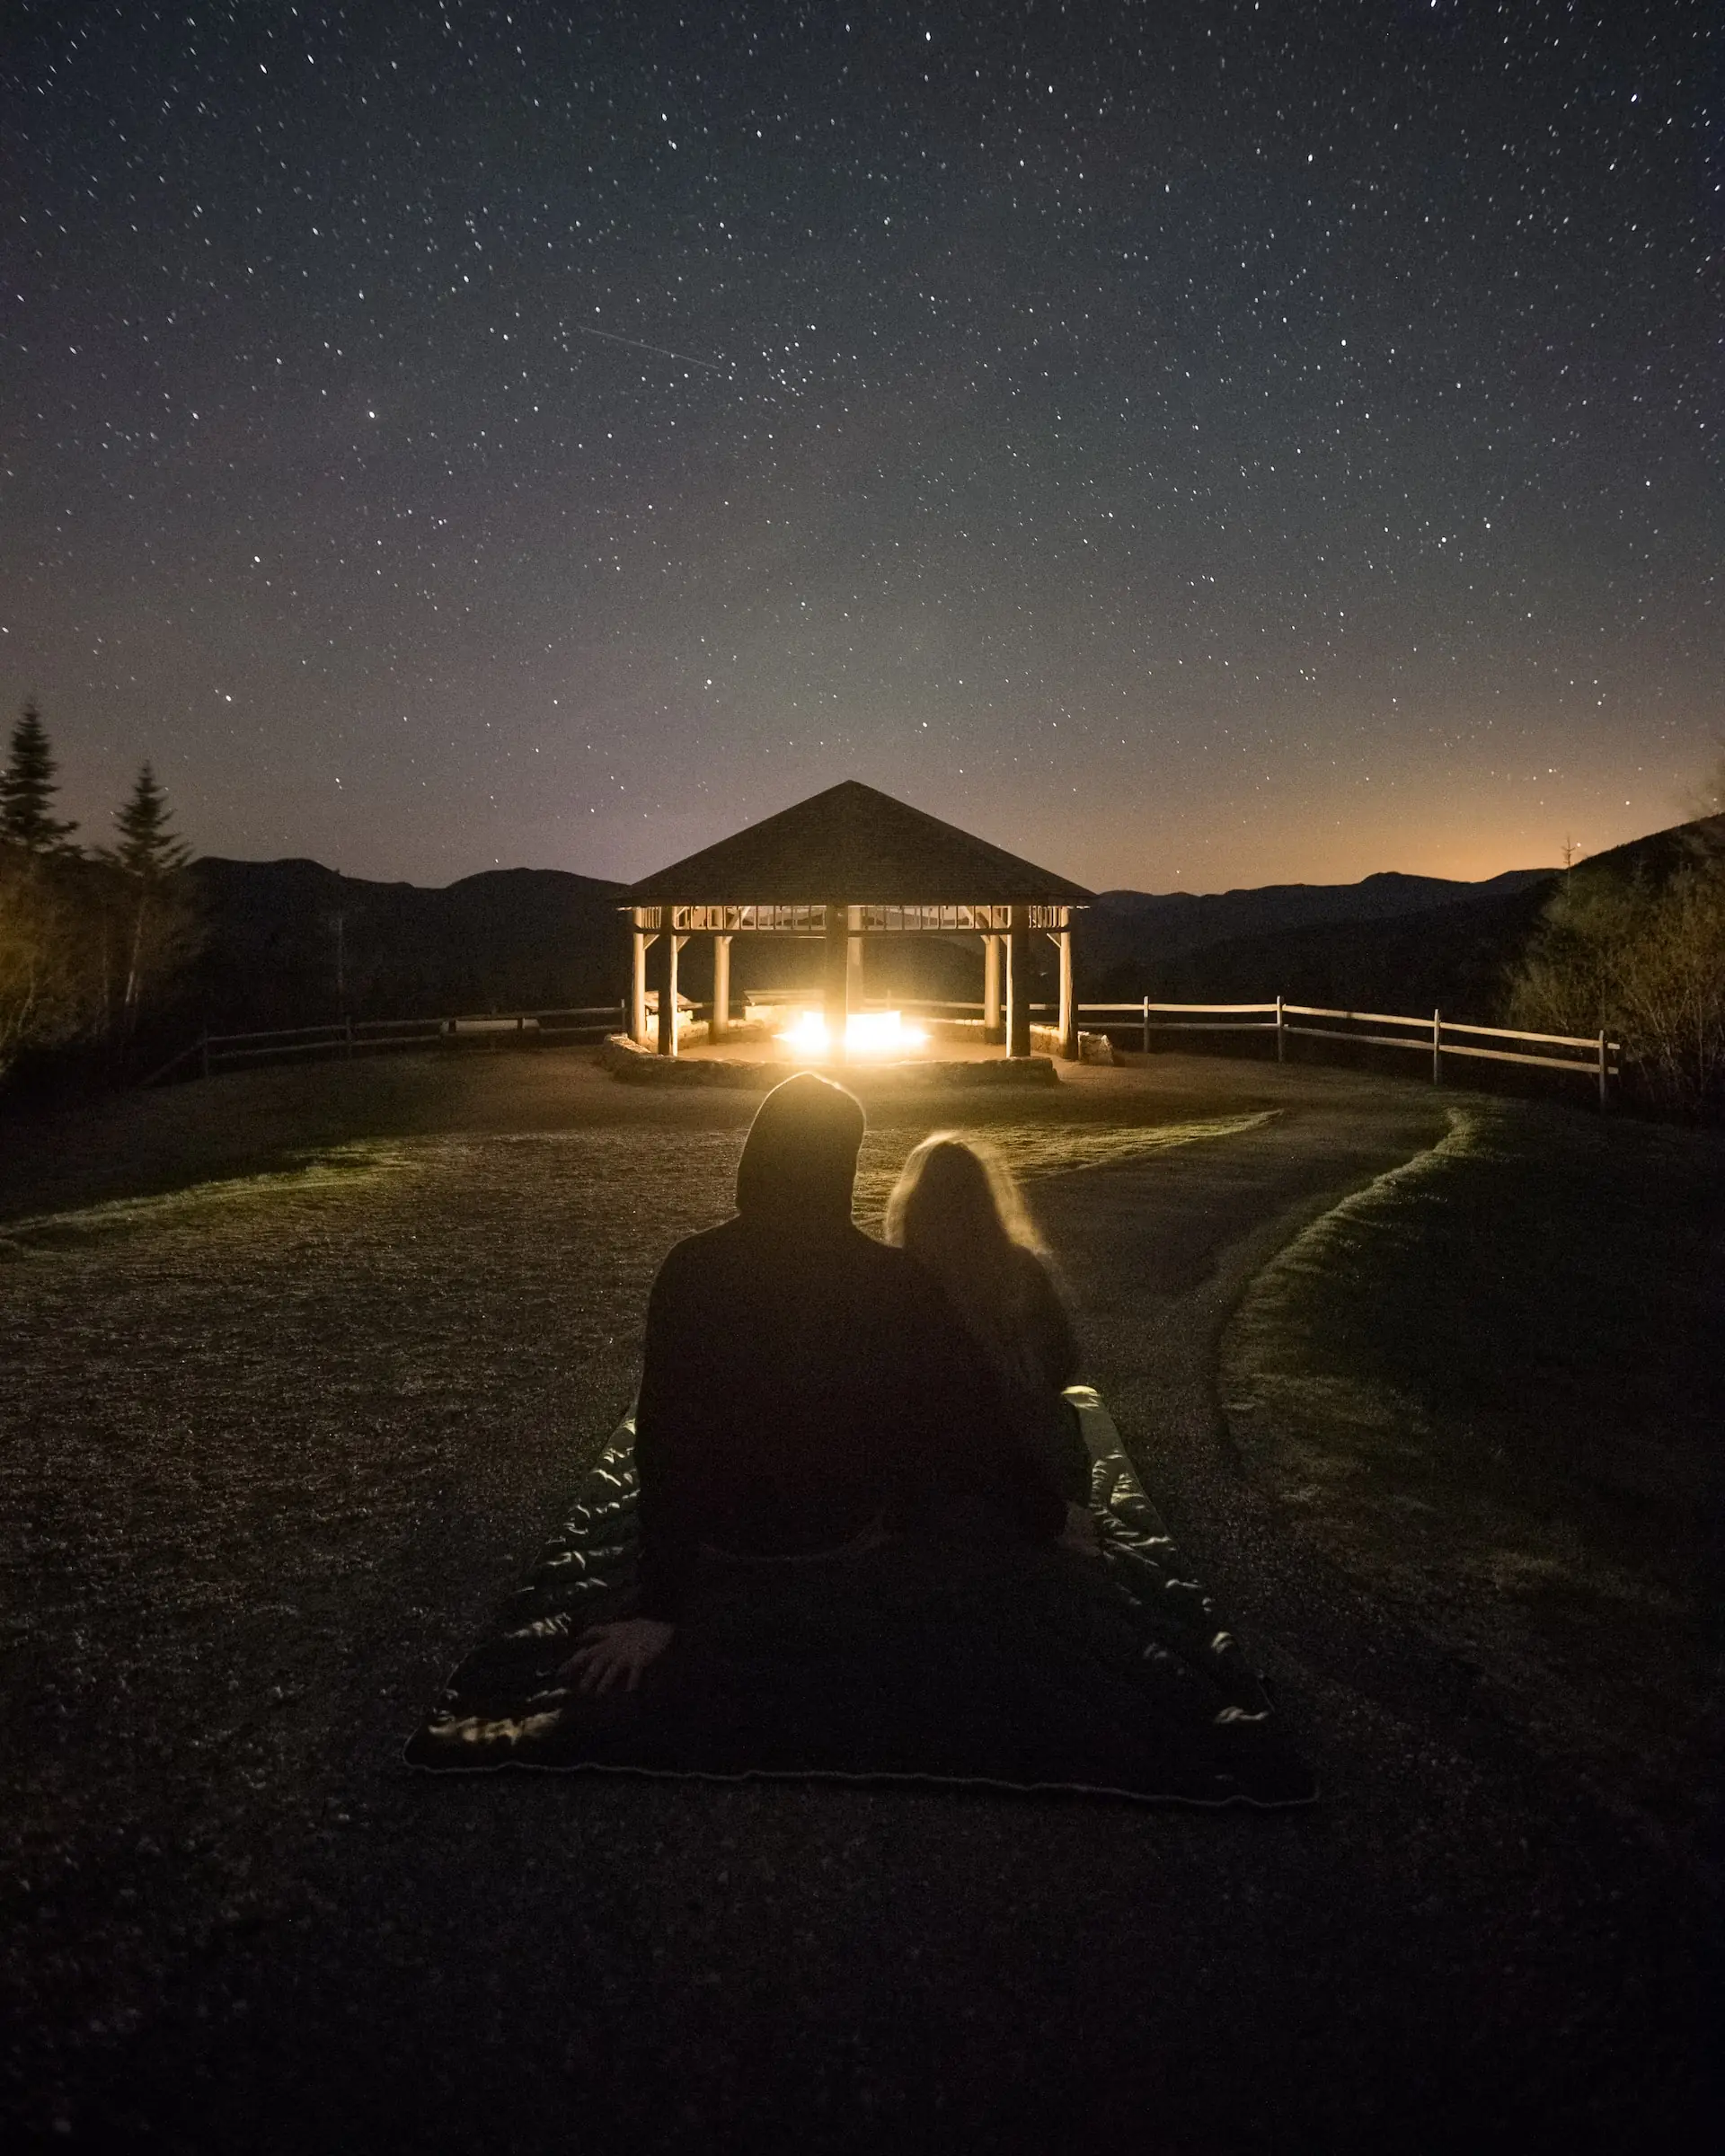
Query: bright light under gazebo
<point x="866" y="1033"/>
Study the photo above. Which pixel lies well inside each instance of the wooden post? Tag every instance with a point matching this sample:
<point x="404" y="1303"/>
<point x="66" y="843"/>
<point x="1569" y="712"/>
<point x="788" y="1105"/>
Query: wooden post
<point x="638" y="985"/>
<point x="1436" y="1048"/>
<point x="666" y="985"/>
<point x="992" y="1029"/>
<point x="835" y="975"/>
<point x="720" y="1022"/>
<point x="1018" y="979"/>
<point x="1281" y="1032"/>
<point x="1147" y="1025"/>
<point x="1605" y="1076"/>
<point x="854" y="959"/>
<point x="1068" y="1007"/>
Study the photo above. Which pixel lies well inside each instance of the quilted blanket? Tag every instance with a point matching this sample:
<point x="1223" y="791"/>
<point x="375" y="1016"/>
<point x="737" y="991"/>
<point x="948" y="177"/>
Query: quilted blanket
<point x="958" y="1658"/>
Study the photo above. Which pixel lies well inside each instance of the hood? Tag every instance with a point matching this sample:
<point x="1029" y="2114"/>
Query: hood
<point x="798" y="1161"/>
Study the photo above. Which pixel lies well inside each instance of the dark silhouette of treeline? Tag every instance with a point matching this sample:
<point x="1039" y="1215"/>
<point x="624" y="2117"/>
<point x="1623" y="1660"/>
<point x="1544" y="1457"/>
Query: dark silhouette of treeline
<point x="293" y="943"/>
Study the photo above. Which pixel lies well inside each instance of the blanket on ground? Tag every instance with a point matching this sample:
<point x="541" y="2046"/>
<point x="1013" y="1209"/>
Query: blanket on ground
<point x="967" y="1659"/>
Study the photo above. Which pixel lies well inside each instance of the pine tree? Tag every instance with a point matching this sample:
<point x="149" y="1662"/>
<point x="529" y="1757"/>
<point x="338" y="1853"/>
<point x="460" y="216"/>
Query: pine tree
<point x="162" y="932"/>
<point x="148" y="850"/>
<point x="27" y="790"/>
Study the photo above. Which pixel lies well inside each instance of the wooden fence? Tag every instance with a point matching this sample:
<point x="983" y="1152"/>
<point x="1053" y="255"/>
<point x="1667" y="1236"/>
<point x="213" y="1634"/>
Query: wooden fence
<point x="1596" y="1059"/>
<point x="1593" y="1057"/>
<point x="212" y="1052"/>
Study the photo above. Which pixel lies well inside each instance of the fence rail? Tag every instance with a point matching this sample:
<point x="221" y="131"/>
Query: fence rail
<point x="212" y="1052"/>
<point x="1599" y="1057"/>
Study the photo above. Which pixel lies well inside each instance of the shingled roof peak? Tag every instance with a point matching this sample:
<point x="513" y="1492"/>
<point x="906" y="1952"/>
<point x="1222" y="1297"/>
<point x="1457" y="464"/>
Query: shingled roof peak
<point x="851" y="841"/>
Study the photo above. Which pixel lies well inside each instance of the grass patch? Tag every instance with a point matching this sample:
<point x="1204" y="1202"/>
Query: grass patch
<point x="1030" y="1150"/>
<point x="1033" y="1150"/>
<point x="333" y="1168"/>
<point x="1491" y="1385"/>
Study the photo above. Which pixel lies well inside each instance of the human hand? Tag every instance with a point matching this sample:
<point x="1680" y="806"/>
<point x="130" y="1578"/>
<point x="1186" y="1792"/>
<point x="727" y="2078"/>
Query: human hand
<point x="613" y="1654"/>
<point x="1080" y="1533"/>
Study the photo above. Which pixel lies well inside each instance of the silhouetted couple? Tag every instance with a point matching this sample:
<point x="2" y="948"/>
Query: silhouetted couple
<point x="814" y="1403"/>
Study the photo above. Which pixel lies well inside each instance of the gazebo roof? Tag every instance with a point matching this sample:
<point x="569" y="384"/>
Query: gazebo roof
<point x="855" y="844"/>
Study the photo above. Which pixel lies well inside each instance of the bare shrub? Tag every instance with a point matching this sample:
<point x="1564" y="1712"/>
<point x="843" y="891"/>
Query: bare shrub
<point x="1644" y="962"/>
<point x="50" y="988"/>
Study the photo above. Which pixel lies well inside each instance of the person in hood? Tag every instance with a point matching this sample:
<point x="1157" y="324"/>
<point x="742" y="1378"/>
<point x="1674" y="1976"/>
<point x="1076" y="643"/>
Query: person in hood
<point x="805" y="1390"/>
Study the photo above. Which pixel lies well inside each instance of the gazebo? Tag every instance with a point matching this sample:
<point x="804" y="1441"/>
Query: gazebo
<point x="843" y="866"/>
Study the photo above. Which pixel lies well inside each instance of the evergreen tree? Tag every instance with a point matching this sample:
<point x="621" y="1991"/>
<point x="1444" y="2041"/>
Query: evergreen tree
<point x="27" y="790"/>
<point x="161" y="932"/>
<point x="148" y="850"/>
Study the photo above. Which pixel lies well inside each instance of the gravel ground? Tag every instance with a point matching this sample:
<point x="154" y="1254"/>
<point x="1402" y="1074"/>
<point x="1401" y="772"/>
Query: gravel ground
<point x="290" y="1399"/>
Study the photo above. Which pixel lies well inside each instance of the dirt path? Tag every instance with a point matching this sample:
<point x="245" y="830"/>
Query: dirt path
<point x="296" y="1442"/>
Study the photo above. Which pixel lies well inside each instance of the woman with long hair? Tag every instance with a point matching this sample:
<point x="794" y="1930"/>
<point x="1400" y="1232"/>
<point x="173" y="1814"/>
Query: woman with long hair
<point x="956" y="1210"/>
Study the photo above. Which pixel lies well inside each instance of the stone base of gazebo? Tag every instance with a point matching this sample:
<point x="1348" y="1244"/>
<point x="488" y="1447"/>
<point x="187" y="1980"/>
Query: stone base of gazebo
<point x="758" y="1065"/>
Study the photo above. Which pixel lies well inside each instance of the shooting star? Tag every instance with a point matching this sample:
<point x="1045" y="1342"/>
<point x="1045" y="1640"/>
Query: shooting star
<point x="688" y="358"/>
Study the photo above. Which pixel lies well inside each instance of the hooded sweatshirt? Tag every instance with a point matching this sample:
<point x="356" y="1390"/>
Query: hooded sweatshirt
<point x="801" y="1381"/>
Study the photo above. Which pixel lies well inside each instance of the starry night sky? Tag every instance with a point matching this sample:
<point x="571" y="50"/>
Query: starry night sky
<point x="1192" y="445"/>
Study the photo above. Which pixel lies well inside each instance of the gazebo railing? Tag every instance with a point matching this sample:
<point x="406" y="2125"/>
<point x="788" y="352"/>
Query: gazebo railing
<point x="809" y="918"/>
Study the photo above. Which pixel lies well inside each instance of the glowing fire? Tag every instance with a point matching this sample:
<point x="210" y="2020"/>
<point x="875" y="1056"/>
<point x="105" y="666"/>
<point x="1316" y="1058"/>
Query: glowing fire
<point x="866" y="1033"/>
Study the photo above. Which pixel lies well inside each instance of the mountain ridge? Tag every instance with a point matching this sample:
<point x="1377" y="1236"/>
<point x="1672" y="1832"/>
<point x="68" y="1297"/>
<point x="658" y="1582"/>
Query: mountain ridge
<point x="292" y="943"/>
<point x="1186" y="921"/>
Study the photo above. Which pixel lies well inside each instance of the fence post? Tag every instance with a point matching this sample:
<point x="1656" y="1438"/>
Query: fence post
<point x="203" y="1053"/>
<point x="347" y="1031"/>
<point x="1436" y="1048"/>
<point x="1281" y="1031"/>
<point x="1147" y="1025"/>
<point x="1604" y="1071"/>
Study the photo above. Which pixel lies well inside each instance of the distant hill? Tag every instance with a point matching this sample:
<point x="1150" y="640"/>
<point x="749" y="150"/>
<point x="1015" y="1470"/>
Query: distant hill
<point x="1456" y="958"/>
<point x="1125" y="923"/>
<point x="279" y="932"/>
<point x="1398" y="943"/>
<point x="1391" y="943"/>
<point x="1661" y="852"/>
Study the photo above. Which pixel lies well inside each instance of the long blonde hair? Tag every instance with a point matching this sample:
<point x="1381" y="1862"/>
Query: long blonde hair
<point x="957" y="1209"/>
